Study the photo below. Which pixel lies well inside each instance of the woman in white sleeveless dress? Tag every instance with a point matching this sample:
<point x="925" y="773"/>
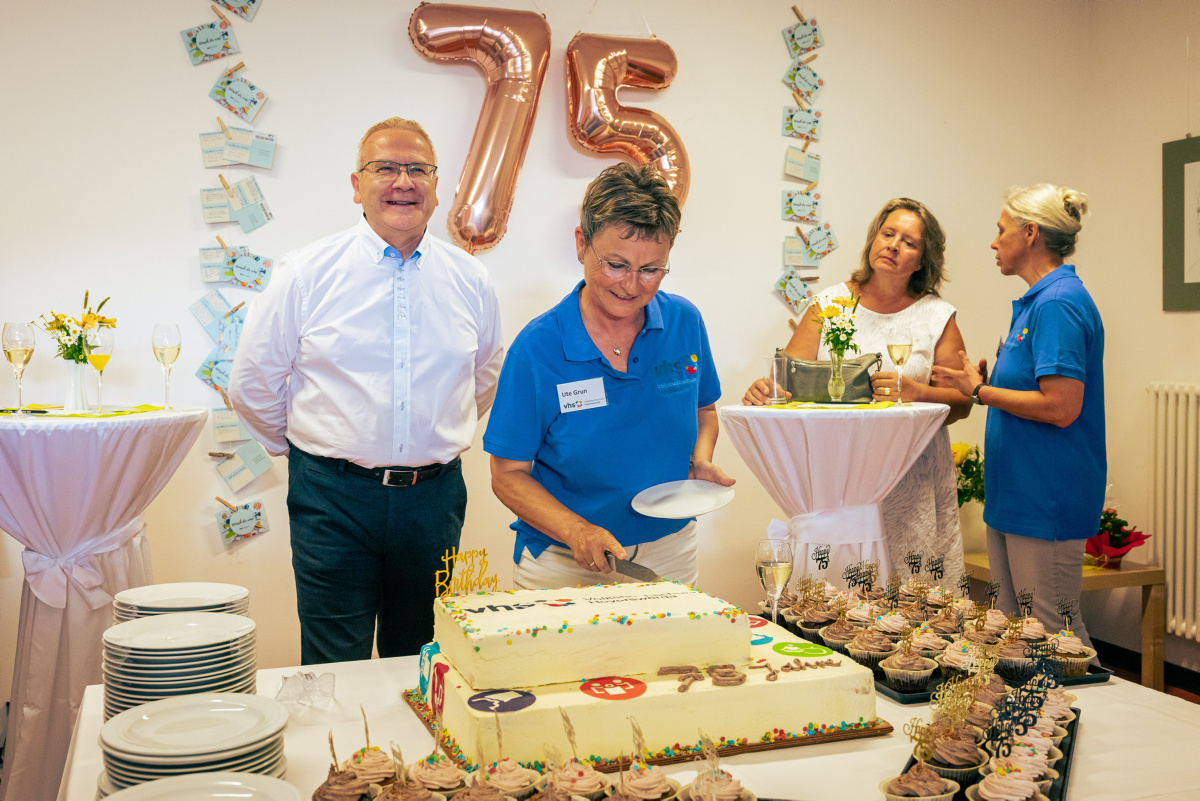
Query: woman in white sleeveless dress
<point x="898" y="279"/>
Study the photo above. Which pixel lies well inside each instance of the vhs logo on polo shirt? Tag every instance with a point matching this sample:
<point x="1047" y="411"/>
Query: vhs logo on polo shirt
<point x="678" y="375"/>
<point x="579" y="395"/>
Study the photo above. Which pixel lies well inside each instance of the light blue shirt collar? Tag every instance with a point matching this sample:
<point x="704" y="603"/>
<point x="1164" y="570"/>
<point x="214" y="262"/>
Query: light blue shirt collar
<point x="383" y="253"/>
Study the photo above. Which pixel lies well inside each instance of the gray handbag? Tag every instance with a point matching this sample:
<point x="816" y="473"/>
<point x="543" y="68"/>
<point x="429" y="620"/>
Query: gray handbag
<point x="808" y="380"/>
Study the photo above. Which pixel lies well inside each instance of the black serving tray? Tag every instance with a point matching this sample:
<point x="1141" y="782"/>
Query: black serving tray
<point x="1095" y="675"/>
<point x="1058" y="790"/>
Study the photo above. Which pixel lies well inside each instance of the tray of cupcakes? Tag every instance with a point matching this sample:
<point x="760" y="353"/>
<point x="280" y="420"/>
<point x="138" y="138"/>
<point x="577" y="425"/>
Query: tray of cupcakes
<point x="1019" y="747"/>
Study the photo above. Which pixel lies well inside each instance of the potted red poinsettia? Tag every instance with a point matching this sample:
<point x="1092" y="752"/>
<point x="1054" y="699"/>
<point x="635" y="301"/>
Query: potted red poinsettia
<point x="1115" y="540"/>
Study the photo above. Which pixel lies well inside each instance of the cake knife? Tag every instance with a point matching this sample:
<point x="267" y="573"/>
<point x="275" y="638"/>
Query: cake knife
<point x="632" y="569"/>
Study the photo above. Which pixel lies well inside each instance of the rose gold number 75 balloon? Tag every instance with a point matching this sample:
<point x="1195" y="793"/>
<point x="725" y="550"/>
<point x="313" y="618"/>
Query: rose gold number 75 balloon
<point x="596" y="67"/>
<point x="512" y="48"/>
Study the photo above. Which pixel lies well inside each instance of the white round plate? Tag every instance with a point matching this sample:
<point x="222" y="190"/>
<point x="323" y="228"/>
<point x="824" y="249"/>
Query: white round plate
<point x="183" y="657"/>
<point x="212" y="786"/>
<point x="264" y="752"/>
<point x="187" y="630"/>
<point x="266" y="762"/>
<point x="678" y="500"/>
<point x="234" y="685"/>
<point x="190" y="725"/>
<point x="146" y="679"/>
<point x="179" y="594"/>
<point x="167" y="670"/>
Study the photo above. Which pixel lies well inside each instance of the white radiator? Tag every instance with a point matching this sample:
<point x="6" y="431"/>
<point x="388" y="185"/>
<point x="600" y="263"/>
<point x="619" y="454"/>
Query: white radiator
<point x="1175" y="479"/>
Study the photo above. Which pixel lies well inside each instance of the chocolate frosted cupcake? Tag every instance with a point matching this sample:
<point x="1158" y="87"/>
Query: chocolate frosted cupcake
<point x="408" y="791"/>
<point x="576" y="778"/>
<point x="957" y="760"/>
<point x="717" y="786"/>
<point x="479" y="791"/>
<point x="1011" y="785"/>
<point x="941" y="624"/>
<point x="921" y="783"/>
<point x="838" y="634"/>
<point x="1072" y="656"/>
<point x="371" y="765"/>
<point x="814" y="618"/>
<point x="869" y="648"/>
<point x="1013" y="663"/>
<point x="980" y="637"/>
<point x="907" y="672"/>
<point x="953" y="661"/>
<point x="914" y="613"/>
<point x="928" y="642"/>
<point x="643" y="782"/>
<point x="891" y="624"/>
<point x="438" y="773"/>
<point x="341" y="785"/>
<point x="992" y="692"/>
<point x="509" y="778"/>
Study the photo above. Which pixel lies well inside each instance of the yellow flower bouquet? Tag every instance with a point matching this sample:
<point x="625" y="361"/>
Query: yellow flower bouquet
<point x="968" y="463"/>
<point x="71" y="335"/>
<point x="837" y="324"/>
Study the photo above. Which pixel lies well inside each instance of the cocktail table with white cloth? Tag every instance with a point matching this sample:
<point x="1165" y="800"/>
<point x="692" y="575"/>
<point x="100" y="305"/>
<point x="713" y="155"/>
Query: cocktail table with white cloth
<point x="1133" y="742"/>
<point x="828" y="467"/>
<point x="73" y="491"/>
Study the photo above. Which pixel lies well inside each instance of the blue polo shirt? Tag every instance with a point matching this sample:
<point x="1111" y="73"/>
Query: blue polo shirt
<point x="1041" y="480"/>
<point x="595" y="458"/>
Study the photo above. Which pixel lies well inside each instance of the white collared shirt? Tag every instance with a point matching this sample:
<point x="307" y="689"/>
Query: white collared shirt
<point x="390" y="362"/>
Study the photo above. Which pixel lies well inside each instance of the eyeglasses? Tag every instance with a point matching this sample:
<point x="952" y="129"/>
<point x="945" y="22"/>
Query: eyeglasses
<point x="390" y="170"/>
<point x="614" y="269"/>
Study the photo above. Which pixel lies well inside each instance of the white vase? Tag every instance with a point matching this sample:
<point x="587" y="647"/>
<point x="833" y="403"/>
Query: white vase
<point x="974" y="530"/>
<point x="75" y="400"/>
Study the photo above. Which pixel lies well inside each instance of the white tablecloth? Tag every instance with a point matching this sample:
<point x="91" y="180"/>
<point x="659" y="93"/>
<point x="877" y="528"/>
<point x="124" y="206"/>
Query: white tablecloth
<point x="1134" y="743"/>
<point x="73" y="491"/>
<point x="828" y="469"/>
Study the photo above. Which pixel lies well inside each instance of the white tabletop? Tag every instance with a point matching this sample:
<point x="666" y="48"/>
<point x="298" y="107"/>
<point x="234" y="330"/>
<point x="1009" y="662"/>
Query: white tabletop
<point x="1134" y="743"/>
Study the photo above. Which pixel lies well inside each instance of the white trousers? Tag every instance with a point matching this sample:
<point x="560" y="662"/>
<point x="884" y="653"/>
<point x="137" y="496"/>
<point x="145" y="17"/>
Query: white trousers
<point x="672" y="557"/>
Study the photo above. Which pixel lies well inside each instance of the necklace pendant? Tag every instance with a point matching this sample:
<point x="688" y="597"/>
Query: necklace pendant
<point x="616" y="351"/>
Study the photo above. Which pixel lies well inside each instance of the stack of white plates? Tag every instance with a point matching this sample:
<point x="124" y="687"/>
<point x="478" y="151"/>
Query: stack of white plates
<point x="215" y="786"/>
<point x="190" y="596"/>
<point x="208" y="733"/>
<point x="171" y="655"/>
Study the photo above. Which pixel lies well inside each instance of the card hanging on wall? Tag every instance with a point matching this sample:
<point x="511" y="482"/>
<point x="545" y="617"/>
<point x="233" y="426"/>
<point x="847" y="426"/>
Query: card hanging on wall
<point x="801" y="124"/>
<point x="230" y="330"/>
<point x="215" y="369"/>
<point x="246" y="9"/>
<point x="804" y="80"/>
<point x="797" y="254"/>
<point x="804" y="207"/>
<point x="209" y="310"/>
<point x="227" y="426"/>
<point x="241" y="202"/>
<point x="803" y="37"/>
<point x="805" y="166"/>
<point x="821" y="241"/>
<point x="209" y="42"/>
<point x="238" y="95"/>
<point x="243" y="269"/>
<point x="793" y="291"/>
<point x="242" y="146"/>
<point x="246" y="521"/>
<point x="248" y="462"/>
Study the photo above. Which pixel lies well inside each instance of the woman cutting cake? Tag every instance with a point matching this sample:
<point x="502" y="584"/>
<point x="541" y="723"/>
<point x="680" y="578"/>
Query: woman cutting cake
<point x="897" y="282"/>
<point x="609" y="393"/>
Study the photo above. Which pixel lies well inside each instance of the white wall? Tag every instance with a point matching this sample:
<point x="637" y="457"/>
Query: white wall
<point x="949" y="102"/>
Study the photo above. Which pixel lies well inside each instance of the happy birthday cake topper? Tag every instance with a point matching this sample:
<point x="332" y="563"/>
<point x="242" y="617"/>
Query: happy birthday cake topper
<point x="820" y="557"/>
<point x="398" y="760"/>
<point x="914" y="559"/>
<point x="1013" y="627"/>
<point x="905" y="641"/>
<point x="839" y="607"/>
<point x="710" y="752"/>
<point x="964" y="583"/>
<point x="998" y="737"/>
<point x="1042" y="667"/>
<point x="892" y="593"/>
<point x="804" y="587"/>
<point x="639" y="739"/>
<point x="952" y="700"/>
<point x="980" y="618"/>
<point x="1066" y="607"/>
<point x="922" y="738"/>
<point x="570" y="731"/>
<point x="870" y="572"/>
<point x="1025" y="602"/>
<point x="852" y="575"/>
<point x="469" y="572"/>
<point x="993" y="591"/>
<point x="935" y="566"/>
<point x="981" y="660"/>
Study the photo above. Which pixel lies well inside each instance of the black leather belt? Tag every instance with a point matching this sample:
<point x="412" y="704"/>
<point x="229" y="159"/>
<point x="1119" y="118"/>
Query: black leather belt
<point x="401" y="476"/>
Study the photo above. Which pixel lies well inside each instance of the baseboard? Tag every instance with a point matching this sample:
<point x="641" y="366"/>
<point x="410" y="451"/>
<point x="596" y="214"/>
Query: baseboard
<point x="1174" y="675"/>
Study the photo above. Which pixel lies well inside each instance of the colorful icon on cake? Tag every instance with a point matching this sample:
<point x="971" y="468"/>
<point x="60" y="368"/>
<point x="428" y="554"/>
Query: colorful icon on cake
<point x="559" y="602"/>
<point x="806" y="649"/>
<point x="757" y="622"/>
<point x="428" y="652"/>
<point x="501" y="700"/>
<point x="614" y="688"/>
<point x="760" y="639"/>
<point x="437" y="688"/>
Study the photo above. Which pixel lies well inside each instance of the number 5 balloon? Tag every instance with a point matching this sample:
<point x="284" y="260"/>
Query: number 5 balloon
<point x="512" y="48"/>
<point x="596" y="67"/>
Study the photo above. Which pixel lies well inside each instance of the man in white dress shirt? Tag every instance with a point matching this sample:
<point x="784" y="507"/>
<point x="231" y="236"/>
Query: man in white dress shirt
<point x="368" y="360"/>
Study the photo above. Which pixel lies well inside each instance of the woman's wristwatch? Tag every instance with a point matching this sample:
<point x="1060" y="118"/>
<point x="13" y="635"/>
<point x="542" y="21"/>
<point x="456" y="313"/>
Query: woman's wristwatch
<point x="975" y="393"/>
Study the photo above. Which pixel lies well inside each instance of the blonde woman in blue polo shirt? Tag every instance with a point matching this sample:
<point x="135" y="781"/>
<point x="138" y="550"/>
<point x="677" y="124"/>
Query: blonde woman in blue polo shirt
<point x="610" y="392"/>
<point x="1045" y="464"/>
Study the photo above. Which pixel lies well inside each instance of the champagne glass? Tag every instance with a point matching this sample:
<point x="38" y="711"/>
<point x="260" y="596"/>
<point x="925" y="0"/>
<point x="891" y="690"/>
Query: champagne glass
<point x="773" y="561"/>
<point x="100" y="347"/>
<point x="899" y="349"/>
<point x="165" y="341"/>
<point x="18" y="348"/>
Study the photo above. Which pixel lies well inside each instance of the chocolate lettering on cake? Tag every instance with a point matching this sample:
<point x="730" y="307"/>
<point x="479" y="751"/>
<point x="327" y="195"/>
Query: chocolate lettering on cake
<point x="726" y="676"/>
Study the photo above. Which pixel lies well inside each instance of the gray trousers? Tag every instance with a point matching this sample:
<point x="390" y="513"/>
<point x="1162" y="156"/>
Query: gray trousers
<point x="1050" y="569"/>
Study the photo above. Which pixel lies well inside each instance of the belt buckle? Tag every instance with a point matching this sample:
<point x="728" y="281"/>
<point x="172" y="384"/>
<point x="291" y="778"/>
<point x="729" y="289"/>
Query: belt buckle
<point x="407" y="478"/>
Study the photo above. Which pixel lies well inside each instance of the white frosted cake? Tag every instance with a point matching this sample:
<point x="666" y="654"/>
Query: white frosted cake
<point x="740" y="694"/>
<point x="527" y="638"/>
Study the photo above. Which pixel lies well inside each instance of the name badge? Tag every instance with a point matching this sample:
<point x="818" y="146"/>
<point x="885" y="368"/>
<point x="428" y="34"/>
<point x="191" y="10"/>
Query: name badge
<point x="580" y="395"/>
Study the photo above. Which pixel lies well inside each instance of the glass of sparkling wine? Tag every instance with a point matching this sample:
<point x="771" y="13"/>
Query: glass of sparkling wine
<point x="18" y="348"/>
<point x="100" y="348"/>
<point x="899" y="349"/>
<point x="773" y="561"/>
<point x="165" y="341"/>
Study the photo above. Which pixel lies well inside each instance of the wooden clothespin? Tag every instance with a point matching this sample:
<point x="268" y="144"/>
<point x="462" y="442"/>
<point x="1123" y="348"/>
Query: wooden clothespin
<point x="235" y="308"/>
<point x="799" y="16"/>
<point x="807" y="142"/>
<point x="233" y="69"/>
<point x="224" y="130"/>
<point x="799" y="98"/>
<point x="233" y="508"/>
<point x="800" y="233"/>
<point x="225" y="184"/>
<point x="224" y="397"/>
<point x="813" y="57"/>
<point x="221" y="455"/>
<point x="228" y="252"/>
<point x="220" y="16"/>
<point x="811" y="187"/>
<point x="792" y="323"/>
